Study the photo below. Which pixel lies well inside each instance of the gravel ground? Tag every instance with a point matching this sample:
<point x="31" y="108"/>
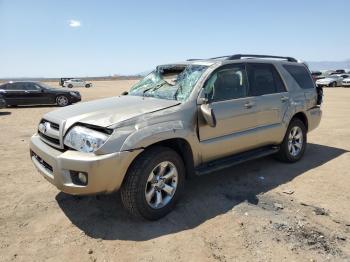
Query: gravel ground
<point x="258" y="211"/>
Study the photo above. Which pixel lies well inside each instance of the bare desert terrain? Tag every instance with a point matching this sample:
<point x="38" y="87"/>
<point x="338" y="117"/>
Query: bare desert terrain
<point x="262" y="210"/>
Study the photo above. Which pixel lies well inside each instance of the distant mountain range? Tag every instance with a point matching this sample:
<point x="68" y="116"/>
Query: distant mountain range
<point x="329" y="65"/>
<point x="313" y="65"/>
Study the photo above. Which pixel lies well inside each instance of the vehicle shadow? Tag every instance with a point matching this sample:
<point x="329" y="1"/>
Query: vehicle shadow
<point x="205" y="198"/>
<point x="5" y="113"/>
<point x="32" y="106"/>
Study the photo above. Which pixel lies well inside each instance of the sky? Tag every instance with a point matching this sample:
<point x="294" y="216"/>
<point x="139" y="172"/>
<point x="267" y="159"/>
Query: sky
<point x="63" y="38"/>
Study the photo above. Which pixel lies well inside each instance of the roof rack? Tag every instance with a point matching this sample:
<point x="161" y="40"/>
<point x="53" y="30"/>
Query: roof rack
<point x="194" y="59"/>
<point x="240" y="56"/>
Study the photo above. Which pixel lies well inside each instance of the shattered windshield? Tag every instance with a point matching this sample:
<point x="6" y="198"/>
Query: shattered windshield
<point x="174" y="82"/>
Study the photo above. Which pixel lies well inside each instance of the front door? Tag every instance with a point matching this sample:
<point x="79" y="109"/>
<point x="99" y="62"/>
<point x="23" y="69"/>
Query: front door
<point x="227" y="93"/>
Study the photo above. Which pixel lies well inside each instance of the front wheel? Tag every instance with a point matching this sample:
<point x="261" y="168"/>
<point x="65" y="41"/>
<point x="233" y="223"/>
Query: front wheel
<point x="334" y="84"/>
<point x="153" y="183"/>
<point x="294" y="143"/>
<point x="62" y="100"/>
<point x="87" y="85"/>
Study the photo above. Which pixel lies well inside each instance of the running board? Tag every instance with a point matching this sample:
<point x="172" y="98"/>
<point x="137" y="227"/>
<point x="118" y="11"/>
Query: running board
<point x="234" y="160"/>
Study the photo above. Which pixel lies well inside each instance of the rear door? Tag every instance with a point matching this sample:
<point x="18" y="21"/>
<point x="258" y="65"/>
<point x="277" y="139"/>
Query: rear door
<point x="272" y="101"/>
<point x="16" y="94"/>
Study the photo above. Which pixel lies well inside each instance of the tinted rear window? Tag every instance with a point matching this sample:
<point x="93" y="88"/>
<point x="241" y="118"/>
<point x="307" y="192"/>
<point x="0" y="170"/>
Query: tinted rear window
<point x="263" y="79"/>
<point x="300" y="75"/>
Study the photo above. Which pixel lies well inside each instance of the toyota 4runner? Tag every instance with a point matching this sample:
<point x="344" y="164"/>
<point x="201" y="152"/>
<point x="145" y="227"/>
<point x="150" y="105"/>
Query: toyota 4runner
<point x="181" y="120"/>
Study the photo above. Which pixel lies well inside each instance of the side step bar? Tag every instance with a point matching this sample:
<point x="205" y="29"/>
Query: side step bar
<point x="234" y="160"/>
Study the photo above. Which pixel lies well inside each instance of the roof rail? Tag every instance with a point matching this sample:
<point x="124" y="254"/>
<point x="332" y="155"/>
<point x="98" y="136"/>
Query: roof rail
<point x="240" y="56"/>
<point x="194" y="59"/>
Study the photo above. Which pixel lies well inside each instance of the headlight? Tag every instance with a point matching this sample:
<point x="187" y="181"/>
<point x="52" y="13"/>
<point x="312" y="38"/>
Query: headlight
<point x="85" y="139"/>
<point x="73" y="93"/>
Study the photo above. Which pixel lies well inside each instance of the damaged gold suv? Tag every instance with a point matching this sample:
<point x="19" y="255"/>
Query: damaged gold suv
<point x="181" y="120"/>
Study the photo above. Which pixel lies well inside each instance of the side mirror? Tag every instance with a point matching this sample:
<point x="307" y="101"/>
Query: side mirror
<point x="125" y="93"/>
<point x="208" y="114"/>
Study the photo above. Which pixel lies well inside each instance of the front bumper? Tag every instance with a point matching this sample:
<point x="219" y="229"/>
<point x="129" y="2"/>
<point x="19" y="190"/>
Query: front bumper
<point x="105" y="172"/>
<point x="345" y="84"/>
<point x="75" y="99"/>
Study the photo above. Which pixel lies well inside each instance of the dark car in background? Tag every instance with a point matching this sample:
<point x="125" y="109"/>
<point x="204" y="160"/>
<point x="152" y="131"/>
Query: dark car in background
<point x="35" y="93"/>
<point x="2" y="100"/>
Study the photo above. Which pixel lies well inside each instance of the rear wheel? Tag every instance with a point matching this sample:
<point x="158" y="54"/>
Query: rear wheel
<point x="70" y="86"/>
<point x="153" y="183"/>
<point x="294" y="143"/>
<point x="62" y="100"/>
<point x="87" y="85"/>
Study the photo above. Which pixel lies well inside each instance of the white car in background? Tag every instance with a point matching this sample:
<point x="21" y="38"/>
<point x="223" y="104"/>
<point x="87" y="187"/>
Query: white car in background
<point x="76" y="83"/>
<point x="346" y="81"/>
<point x="331" y="80"/>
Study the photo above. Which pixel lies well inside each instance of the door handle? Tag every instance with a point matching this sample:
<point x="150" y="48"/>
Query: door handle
<point x="284" y="99"/>
<point x="25" y="91"/>
<point x="249" y="105"/>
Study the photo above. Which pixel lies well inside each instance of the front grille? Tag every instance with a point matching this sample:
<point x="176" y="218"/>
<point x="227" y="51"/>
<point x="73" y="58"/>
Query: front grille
<point x="49" y="132"/>
<point x="50" y="139"/>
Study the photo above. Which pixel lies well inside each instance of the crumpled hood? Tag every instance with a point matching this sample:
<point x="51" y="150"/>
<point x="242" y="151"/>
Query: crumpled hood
<point x="108" y="111"/>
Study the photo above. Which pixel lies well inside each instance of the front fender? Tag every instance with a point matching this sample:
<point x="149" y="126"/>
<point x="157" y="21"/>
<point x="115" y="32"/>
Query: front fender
<point x="148" y="135"/>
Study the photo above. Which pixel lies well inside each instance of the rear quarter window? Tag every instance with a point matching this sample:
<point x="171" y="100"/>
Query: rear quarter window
<point x="300" y="75"/>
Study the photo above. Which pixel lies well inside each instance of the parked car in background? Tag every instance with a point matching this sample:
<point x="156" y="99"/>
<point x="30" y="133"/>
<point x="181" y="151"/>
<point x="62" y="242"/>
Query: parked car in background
<point x="77" y="83"/>
<point x="346" y="82"/>
<point x="2" y="100"/>
<point x="344" y="76"/>
<point x="62" y="80"/>
<point x="317" y="75"/>
<point x="182" y="120"/>
<point x="338" y="71"/>
<point x="331" y="81"/>
<point x="34" y="93"/>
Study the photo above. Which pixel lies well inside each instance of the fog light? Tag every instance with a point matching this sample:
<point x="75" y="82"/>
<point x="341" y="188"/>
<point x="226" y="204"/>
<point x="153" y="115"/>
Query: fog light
<point x="79" y="178"/>
<point x="83" y="178"/>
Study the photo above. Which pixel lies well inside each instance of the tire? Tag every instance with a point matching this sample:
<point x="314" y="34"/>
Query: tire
<point x="139" y="182"/>
<point x="289" y="145"/>
<point x="62" y="100"/>
<point x="334" y="84"/>
<point x="87" y="85"/>
<point x="70" y="86"/>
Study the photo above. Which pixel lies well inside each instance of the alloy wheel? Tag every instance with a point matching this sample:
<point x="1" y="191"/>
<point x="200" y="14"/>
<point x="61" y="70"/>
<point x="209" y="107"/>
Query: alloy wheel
<point x="161" y="185"/>
<point x="295" y="141"/>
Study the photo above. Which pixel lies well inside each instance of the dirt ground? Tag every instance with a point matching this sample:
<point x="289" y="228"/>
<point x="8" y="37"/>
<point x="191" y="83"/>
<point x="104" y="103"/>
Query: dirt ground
<point x="262" y="210"/>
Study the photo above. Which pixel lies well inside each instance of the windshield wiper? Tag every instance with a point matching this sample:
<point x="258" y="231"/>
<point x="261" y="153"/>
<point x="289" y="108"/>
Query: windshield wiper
<point x="153" y="88"/>
<point x="177" y="91"/>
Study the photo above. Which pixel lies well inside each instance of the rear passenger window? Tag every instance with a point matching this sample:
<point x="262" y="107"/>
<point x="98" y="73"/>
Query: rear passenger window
<point x="264" y="79"/>
<point x="300" y="75"/>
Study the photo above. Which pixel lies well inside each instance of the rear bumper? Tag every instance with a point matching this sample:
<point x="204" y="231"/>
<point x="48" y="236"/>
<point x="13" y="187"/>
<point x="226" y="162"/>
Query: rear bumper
<point x="314" y="116"/>
<point x="105" y="172"/>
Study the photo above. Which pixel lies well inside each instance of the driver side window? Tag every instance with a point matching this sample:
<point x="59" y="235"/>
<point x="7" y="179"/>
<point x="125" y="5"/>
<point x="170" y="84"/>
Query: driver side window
<point x="226" y="83"/>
